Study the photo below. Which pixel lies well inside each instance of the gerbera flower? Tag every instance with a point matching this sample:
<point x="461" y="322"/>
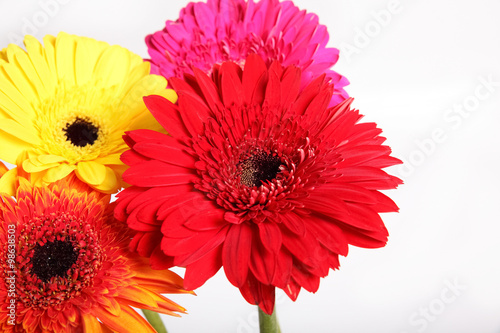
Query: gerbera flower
<point x="68" y="103"/>
<point x="66" y="267"/>
<point x="257" y="177"/>
<point x="209" y="33"/>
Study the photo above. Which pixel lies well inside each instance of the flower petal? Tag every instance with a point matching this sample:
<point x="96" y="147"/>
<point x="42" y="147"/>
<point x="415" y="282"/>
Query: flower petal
<point x="91" y="172"/>
<point x="236" y="253"/>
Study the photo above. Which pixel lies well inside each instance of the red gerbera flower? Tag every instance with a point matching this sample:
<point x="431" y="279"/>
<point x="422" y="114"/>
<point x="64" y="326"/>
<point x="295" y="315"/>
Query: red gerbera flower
<point x="258" y="177"/>
<point x="65" y="265"/>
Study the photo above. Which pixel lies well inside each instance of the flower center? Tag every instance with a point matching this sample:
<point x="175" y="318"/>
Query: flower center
<point x="81" y="132"/>
<point x="53" y="259"/>
<point x="259" y="168"/>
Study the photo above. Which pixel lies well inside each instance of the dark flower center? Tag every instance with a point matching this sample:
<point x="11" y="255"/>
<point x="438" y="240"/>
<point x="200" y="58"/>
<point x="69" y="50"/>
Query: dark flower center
<point x="259" y="168"/>
<point x="53" y="259"/>
<point x="81" y="132"/>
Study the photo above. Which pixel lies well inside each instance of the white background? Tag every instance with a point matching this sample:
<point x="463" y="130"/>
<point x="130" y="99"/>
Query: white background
<point x="410" y="72"/>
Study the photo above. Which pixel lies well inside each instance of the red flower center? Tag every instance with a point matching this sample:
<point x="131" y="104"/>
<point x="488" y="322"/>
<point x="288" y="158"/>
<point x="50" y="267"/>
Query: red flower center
<point x="59" y="255"/>
<point x="259" y="168"/>
<point x="256" y="174"/>
<point x="53" y="259"/>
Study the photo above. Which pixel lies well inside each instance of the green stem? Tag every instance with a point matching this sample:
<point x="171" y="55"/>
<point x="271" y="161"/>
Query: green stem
<point x="155" y="320"/>
<point x="268" y="323"/>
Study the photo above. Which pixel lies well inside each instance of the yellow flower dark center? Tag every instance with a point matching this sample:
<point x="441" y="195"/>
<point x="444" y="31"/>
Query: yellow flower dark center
<point x="258" y="168"/>
<point x="53" y="259"/>
<point x="81" y="132"/>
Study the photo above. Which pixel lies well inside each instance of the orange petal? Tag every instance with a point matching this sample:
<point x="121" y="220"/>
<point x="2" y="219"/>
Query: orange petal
<point x="128" y="320"/>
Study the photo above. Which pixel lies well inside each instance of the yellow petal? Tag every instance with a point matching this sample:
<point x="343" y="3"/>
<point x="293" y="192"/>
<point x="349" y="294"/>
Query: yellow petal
<point x="36" y="178"/>
<point x="91" y="172"/>
<point x="84" y="62"/>
<point x="65" y="57"/>
<point x="18" y="76"/>
<point x="49" y="44"/>
<point x="57" y="173"/>
<point x="31" y="165"/>
<point x="24" y="132"/>
<point x="3" y="56"/>
<point x="25" y="109"/>
<point x="110" y="184"/>
<point x="113" y="159"/>
<point x="113" y="66"/>
<point x="10" y="109"/>
<point x="169" y="94"/>
<point x="11" y="146"/>
<point x="49" y="159"/>
<point x="36" y="54"/>
<point x="136" y="74"/>
<point x="148" y="85"/>
<point x="8" y="182"/>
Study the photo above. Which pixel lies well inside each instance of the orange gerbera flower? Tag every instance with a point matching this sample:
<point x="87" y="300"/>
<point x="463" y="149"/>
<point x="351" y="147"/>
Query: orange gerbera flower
<point x="66" y="267"/>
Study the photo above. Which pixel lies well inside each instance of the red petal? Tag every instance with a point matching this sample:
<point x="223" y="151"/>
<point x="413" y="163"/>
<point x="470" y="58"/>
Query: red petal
<point x="364" y="239"/>
<point x="254" y="79"/>
<point x="270" y="236"/>
<point x="201" y="270"/>
<point x="262" y="263"/>
<point x="156" y="193"/>
<point x="125" y="197"/>
<point x="236" y="253"/>
<point x="259" y="294"/>
<point x="231" y="87"/>
<point x="148" y="243"/>
<point x="167" y="114"/>
<point x="195" y="248"/>
<point x="155" y="173"/>
<point x="290" y="84"/>
<point x="361" y="216"/>
<point x="146" y="135"/>
<point x="208" y="89"/>
<point x="273" y="90"/>
<point x="307" y="95"/>
<point x="328" y="234"/>
<point x="360" y="155"/>
<point x="159" y="261"/>
<point x="194" y="112"/>
<point x="319" y="103"/>
<point x="294" y="223"/>
<point x="349" y="192"/>
<point x="306" y="248"/>
<point x="305" y="279"/>
<point x="292" y="289"/>
<point x="209" y="219"/>
<point x="384" y="203"/>
<point x="283" y="269"/>
<point x="132" y="158"/>
<point x="168" y="151"/>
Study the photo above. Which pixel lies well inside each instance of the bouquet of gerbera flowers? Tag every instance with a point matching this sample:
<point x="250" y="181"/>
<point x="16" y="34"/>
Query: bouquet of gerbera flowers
<point x="249" y="158"/>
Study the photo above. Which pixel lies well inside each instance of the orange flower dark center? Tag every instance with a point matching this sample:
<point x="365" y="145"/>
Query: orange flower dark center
<point x="53" y="259"/>
<point x="259" y="168"/>
<point x="81" y="132"/>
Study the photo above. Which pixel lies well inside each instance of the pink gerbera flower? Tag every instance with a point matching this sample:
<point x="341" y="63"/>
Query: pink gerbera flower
<point x="258" y="177"/>
<point x="209" y="33"/>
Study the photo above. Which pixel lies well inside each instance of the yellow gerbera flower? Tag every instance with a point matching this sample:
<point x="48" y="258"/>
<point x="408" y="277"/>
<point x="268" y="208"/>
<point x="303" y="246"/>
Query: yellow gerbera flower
<point x="65" y="105"/>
